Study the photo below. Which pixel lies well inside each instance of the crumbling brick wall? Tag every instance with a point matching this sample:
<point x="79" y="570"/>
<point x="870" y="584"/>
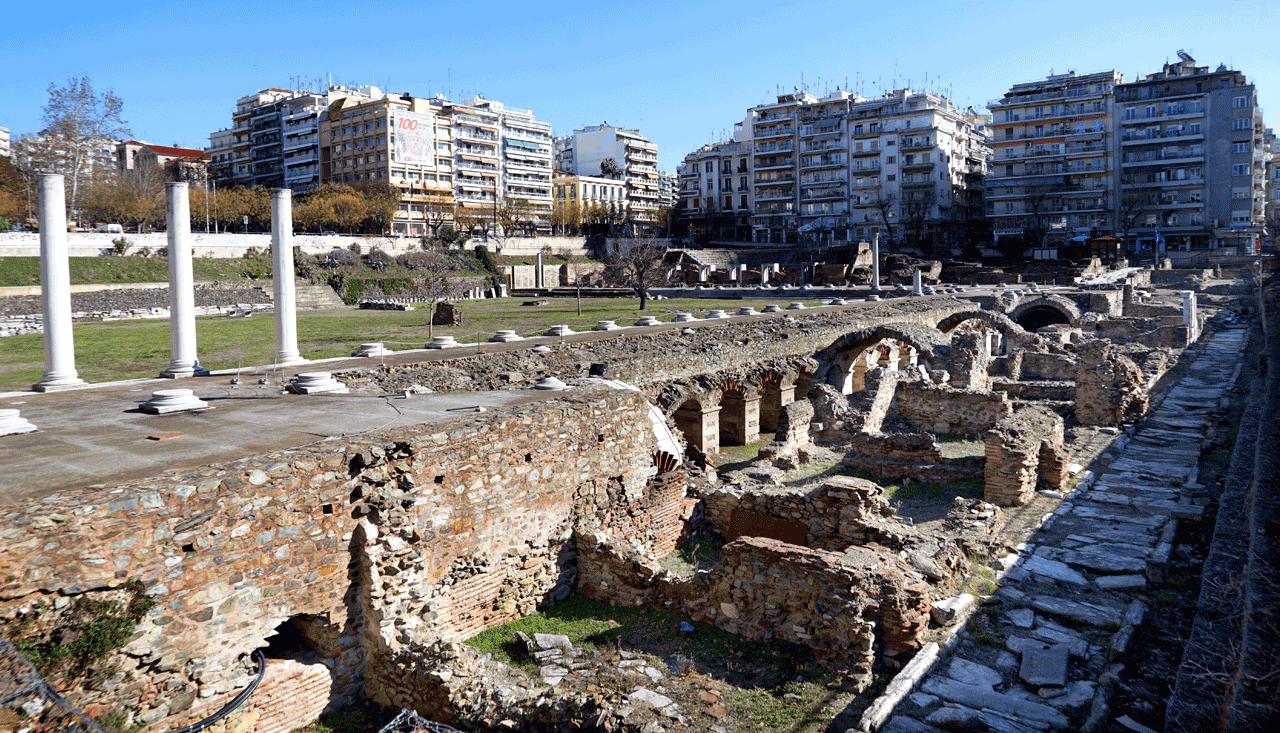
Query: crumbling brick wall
<point x="1110" y="388"/>
<point x="793" y="430"/>
<point x="1041" y="365"/>
<point x="1024" y="451"/>
<point x="847" y="607"/>
<point x="943" y="409"/>
<point x="482" y="505"/>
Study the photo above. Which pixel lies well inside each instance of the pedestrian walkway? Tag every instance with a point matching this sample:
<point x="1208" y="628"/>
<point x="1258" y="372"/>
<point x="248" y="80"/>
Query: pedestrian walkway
<point x="1066" y="609"/>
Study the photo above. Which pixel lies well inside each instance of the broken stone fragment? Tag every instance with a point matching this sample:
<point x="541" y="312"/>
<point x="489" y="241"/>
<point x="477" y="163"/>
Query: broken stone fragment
<point x="950" y="611"/>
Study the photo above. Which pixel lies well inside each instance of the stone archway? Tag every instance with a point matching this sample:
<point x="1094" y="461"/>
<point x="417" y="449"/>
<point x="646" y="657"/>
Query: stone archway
<point x="698" y="418"/>
<point x="839" y="359"/>
<point x="739" y="414"/>
<point x="1045" y="311"/>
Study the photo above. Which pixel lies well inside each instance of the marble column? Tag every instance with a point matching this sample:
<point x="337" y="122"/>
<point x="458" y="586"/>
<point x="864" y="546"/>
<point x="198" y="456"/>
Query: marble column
<point x="182" y="299"/>
<point x="55" y="289"/>
<point x="916" y="287"/>
<point x="1189" y="316"/>
<point x="286" y="306"/>
<point x="875" y="260"/>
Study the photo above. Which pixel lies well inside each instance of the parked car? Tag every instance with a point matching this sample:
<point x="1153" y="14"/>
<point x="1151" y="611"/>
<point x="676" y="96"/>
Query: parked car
<point x="328" y="234"/>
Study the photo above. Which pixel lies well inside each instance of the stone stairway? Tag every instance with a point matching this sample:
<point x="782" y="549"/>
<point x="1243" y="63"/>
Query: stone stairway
<point x="1054" y="636"/>
<point x="317" y="297"/>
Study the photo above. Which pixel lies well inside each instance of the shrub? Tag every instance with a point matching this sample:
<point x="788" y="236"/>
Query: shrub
<point x="162" y="252"/>
<point x="121" y="246"/>
<point x="355" y="249"/>
<point x="343" y="257"/>
<point x="144" y="251"/>
<point x="377" y="259"/>
<point x="4" y="224"/>
<point x="486" y="260"/>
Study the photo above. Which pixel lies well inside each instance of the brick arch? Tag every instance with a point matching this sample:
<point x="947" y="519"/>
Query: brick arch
<point x="930" y="345"/>
<point x="998" y="321"/>
<point x="1064" y="307"/>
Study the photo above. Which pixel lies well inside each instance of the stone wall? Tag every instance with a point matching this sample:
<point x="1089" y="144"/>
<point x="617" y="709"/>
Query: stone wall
<point x="1110" y="388"/>
<point x="1041" y="365"/>
<point x="941" y="409"/>
<point x="847" y="606"/>
<point x="1025" y="451"/>
<point x="353" y="538"/>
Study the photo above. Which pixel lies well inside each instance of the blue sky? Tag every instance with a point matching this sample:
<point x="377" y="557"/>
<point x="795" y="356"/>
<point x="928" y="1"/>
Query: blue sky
<point x="681" y="72"/>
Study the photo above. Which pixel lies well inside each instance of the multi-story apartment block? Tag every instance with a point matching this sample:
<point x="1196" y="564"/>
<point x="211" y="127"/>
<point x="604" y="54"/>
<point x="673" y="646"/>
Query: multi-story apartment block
<point x="586" y="150"/>
<point x="715" y="187"/>
<point x="5" y="149"/>
<point x="502" y="154"/>
<point x="1272" y="188"/>
<point x="834" y="168"/>
<point x="274" y="138"/>
<point x="1192" y="161"/>
<point x="1053" y="168"/>
<point x="396" y="139"/>
<point x="587" y="200"/>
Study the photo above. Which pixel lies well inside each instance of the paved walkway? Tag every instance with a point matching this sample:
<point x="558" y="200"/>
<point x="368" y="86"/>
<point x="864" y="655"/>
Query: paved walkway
<point x="1066" y="610"/>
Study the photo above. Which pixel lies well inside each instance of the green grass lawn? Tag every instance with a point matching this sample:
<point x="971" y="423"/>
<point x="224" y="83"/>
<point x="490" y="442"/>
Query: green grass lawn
<point x="113" y="350"/>
<point x="20" y="271"/>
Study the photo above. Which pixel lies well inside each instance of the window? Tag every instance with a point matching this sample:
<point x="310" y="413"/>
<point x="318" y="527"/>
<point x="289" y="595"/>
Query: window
<point x="1240" y="102"/>
<point x="1151" y="110"/>
<point x="1239" y="169"/>
<point x="1195" y="128"/>
<point x="888" y="159"/>
<point x="1039" y="112"/>
<point x="1008" y="115"/>
<point x="908" y="159"/>
<point x="875" y="127"/>
<point x="1244" y="123"/>
<point x="1239" y="147"/>
<point x="1008" y="133"/>
<point x="891" y="177"/>
<point x="1008" y="170"/>
<point x="857" y="129"/>
<point x="1130" y="113"/>
<point x="1240" y="193"/>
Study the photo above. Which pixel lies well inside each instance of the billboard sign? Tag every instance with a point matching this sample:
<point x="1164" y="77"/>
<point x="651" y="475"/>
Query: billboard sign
<point x="415" y="138"/>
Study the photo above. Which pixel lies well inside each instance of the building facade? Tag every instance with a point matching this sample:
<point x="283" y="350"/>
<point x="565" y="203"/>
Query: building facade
<point x="5" y="144"/>
<point x="908" y="164"/>
<point x="503" y="157"/>
<point x="1192" y="160"/>
<point x="716" y="196"/>
<point x="1052" y="176"/>
<point x="400" y="140"/>
<point x="635" y="159"/>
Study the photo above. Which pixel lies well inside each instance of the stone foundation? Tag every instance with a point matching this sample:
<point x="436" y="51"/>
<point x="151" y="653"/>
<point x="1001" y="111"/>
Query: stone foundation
<point x="1024" y="452"/>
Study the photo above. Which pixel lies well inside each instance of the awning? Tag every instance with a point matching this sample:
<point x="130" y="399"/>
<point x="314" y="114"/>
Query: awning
<point x="523" y="144"/>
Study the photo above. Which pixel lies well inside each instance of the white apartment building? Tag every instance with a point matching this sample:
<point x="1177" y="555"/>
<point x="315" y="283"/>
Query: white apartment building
<point x="1193" y="157"/>
<point x="584" y="152"/>
<point x="5" y="150"/>
<point x="715" y="191"/>
<point x="909" y="164"/>
<point x="1052" y="175"/>
<point x="501" y="154"/>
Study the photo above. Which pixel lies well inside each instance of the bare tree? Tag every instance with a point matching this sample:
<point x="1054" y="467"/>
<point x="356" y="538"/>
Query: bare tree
<point x="77" y="123"/>
<point x="434" y="288"/>
<point x="636" y="263"/>
<point x="915" y="217"/>
<point x="1132" y="208"/>
<point x="609" y="168"/>
<point x="883" y="204"/>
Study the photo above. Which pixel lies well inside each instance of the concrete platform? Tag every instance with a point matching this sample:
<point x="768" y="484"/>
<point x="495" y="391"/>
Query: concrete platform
<point x="100" y="436"/>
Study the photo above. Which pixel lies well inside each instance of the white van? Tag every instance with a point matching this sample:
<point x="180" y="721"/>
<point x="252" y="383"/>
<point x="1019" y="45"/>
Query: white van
<point x="110" y="228"/>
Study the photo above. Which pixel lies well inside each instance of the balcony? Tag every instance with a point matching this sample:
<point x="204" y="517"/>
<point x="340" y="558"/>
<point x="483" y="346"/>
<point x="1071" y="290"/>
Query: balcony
<point x="918" y="166"/>
<point x="823" y="193"/>
<point x="478" y="151"/>
<point x="785" y="163"/>
<point x="471" y="133"/>
<point x="819" y="147"/>
<point x="480" y="167"/>
<point x="1087" y="150"/>
<point x="764" y="133"/>
<point x="823" y="162"/>
<point x="691" y="192"/>
<point x="1164" y="159"/>
<point x="300" y="159"/>
<point x="300" y="142"/>
<point x="819" y="180"/>
<point x="766" y="148"/>
<point x="1135" y="138"/>
<point x="775" y="194"/>
<point x="776" y="180"/>
<point x="466" y="119"/>
<point x="905" y="145"/>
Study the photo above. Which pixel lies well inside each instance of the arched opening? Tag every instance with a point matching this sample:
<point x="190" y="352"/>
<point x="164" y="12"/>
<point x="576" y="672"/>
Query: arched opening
<point x="294" y="639"/>
<point x="1037" y="317"/>
<point x="776" y="392"/>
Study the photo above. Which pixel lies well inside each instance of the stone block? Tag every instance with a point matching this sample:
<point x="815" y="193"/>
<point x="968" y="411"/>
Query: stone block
<point x="1046" y="667"/>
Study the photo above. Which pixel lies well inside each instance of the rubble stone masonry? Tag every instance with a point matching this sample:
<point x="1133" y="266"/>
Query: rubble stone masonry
<point x="483" y="505"/>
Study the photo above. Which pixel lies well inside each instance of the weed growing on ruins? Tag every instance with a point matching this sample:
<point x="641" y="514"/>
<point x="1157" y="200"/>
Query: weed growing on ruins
<point x="361" y="716"/>
<point x="117" y="721"/>
<point x="87" y="633"/>
<point x="596" y="625"/>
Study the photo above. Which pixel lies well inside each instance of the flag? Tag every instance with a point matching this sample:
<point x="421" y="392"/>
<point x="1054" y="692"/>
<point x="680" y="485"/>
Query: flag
<point x="1160" y="242"/>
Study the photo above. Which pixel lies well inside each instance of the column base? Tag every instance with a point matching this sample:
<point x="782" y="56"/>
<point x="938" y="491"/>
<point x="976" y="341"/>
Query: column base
<point x="180" y="372"/>
<point x="58" y="384"/>
<point x="287" y="360"/>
